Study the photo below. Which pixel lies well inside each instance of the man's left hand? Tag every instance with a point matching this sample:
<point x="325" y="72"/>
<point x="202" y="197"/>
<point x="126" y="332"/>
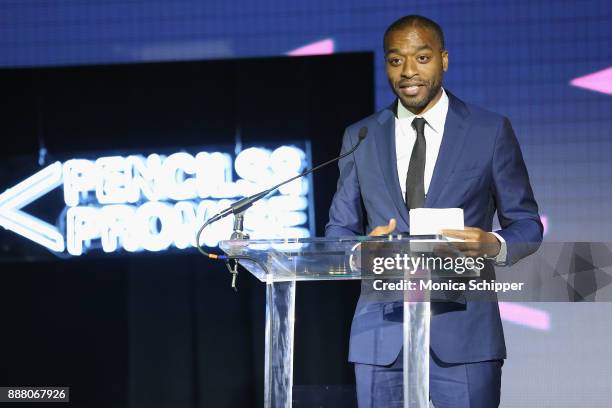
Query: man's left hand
<point x="477" y="242"/>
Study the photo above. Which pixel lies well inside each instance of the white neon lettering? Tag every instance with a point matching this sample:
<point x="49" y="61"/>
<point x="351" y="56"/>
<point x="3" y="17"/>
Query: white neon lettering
<point x="287" y="161"/>
<point x="296" y="188"/>
<point x="291" y="218"/>
<point x="81" y="228"/>
<point x="214" y="175"/>
<point x="287" y="203"/>
<point x="150" y="203"/>
<point x="185" y="231"/>
<point x="145" y="173"/>
<point x="114" y="183"/>
<point x="80" y="177"/>
<point x="155" y="223"/>
<point x="252" y="164"/>
<point x="116" y="228"/>
<point x="175" y="171"/>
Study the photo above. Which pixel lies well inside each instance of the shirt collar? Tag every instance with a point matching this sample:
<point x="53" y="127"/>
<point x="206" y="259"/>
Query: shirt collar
<point x="435" y="117"/>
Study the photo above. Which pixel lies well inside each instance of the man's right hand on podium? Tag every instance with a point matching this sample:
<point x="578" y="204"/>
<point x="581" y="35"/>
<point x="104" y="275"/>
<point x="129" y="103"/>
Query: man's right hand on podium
<point x="384" y="229"/>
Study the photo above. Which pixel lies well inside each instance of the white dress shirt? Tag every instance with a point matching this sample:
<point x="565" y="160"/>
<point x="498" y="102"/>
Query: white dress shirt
<point x="405" y="136"/>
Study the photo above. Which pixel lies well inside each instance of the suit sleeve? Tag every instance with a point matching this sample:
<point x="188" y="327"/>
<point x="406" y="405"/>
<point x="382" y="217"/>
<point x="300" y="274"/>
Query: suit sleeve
<point x="517" y="209"/>
<point x="346" y="212"/>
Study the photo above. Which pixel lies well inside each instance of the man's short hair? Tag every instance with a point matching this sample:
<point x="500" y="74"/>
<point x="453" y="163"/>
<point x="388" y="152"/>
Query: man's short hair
<point x="414" y="20"/>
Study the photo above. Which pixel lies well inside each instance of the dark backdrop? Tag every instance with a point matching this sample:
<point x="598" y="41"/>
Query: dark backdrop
<point x="166" y="329"/>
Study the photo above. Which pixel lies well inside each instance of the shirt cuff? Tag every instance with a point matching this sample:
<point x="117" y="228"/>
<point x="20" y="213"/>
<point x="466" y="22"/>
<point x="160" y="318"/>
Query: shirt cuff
<point x="502" y="256"/>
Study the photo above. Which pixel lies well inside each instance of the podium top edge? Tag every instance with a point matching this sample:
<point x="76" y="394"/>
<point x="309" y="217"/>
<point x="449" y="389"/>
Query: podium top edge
<point x="355" y="239"/>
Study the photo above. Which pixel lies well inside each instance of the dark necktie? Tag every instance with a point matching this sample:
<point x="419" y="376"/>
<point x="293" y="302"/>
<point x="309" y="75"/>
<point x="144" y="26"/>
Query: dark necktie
<point x="415" y="179"/>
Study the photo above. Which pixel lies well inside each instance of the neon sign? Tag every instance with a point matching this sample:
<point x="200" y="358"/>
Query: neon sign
<point x="155" y="202"/>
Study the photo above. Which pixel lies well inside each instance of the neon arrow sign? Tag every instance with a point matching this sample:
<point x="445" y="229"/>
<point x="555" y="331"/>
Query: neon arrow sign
<point x="152" y="203"/>
<point x="13" y="199"/>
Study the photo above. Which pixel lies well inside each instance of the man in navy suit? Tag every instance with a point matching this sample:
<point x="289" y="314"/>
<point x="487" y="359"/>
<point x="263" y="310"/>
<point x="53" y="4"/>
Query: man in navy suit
<point x="431" y="149"/>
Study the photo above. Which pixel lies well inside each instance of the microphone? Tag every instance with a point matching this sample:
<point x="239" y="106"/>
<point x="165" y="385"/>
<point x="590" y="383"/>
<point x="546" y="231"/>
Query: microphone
<point x="245" y="203"/>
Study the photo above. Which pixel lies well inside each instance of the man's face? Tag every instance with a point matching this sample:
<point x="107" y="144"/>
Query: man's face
<point x="415" y="66"/>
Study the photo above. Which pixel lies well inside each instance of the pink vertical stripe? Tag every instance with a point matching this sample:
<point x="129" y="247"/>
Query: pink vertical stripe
<point x="544" y="220"/>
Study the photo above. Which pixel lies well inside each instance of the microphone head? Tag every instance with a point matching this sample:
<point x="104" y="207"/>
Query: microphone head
<point x="363" y="132"/>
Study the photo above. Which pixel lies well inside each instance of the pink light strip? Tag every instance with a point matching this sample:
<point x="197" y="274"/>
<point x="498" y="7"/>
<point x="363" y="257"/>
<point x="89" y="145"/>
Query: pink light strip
<point x="524" y="316"/>
<point x="544" y="220"/>
<point x="600" y="81"/>
<point x="323" y="47"/>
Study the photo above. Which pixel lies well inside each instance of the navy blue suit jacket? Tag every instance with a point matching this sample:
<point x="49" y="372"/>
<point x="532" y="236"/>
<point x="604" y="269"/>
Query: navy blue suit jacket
<point x="480" y="168"/>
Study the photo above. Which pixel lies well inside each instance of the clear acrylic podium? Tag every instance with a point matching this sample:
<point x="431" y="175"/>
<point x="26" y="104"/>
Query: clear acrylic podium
<point x="287" y="261"/>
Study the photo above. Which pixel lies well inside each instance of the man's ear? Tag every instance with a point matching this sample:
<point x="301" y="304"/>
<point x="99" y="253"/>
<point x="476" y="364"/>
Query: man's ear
<point x="444" y="60"/>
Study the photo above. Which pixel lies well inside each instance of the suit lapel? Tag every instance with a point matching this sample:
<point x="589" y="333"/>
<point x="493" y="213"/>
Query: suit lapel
<point x="455" y="130"/>
<point x="385" y="144"/>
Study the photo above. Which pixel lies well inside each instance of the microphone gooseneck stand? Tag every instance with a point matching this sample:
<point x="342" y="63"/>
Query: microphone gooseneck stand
<point x="239" y="207"/>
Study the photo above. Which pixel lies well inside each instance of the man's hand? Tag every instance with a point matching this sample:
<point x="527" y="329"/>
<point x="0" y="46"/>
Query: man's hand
<point x="384" y="229"/>
<point x="477" y="242"/>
